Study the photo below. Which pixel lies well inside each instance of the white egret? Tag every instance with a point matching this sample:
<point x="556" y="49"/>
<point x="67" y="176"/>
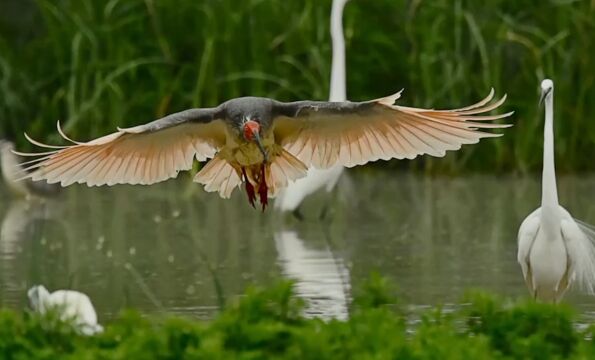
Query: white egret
<point x="554" y="250"/>
<point x="73" y="306"/>
<point x="290" y="198"/>
<point x="12" y="173"/>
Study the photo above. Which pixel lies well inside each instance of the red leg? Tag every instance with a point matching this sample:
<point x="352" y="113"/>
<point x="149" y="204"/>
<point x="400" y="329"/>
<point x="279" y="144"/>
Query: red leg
<point x="263" y="190"/>
<point x="249" y="188"/>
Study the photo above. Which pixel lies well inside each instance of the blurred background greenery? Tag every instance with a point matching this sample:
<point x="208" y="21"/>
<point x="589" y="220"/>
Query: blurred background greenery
<point x="98" y="64"/>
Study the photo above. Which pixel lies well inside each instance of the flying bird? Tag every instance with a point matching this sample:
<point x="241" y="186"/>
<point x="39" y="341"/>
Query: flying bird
<point x="262" y="143"/>
<point x="554" y="249"/>
<point x="290" y="198"/>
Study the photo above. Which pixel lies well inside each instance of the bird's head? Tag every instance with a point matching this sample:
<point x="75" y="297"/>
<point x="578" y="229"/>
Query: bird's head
<point x="547" y="89"/>
<point x="251" y="131"/>
<point x="38" y="295"/>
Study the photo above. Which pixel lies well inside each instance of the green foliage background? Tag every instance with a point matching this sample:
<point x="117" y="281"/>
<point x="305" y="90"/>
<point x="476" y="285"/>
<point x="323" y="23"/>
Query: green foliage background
<point x="97" y="64"/>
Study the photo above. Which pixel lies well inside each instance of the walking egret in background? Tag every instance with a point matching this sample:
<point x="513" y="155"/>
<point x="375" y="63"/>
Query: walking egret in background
<point x="72" y="305"/>
<point x="263" y="143"/>
<point x="12" y="171"/>
<point x="290" y="198"/>
<point x="554" y="250"/>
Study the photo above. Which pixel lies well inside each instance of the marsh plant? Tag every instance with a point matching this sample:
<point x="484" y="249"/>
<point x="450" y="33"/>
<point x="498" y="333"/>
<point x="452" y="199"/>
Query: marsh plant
<point x="268" y="323"/>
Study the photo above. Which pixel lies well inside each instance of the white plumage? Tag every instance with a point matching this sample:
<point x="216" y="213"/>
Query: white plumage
<point x="554" y="249"/>
<point x="321" y="278"/>
<point x="73" y="306"/>
<point x="290" y="198"/>
<point x="13" y="173"/>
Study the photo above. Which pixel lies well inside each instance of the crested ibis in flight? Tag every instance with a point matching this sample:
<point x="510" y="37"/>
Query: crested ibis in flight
<point x="263" y="143"/>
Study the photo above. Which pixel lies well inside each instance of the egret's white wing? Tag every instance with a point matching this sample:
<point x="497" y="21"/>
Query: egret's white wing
<point x="578" y="238"/>
<point x="526" y="237"/>
<point x="290" y="197"/>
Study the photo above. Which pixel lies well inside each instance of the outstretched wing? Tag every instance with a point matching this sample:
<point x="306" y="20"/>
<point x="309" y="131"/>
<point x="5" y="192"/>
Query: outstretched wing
<point x="354" y="133"/>
<point x="144" y="154"/>
<point x="579" y="239"/>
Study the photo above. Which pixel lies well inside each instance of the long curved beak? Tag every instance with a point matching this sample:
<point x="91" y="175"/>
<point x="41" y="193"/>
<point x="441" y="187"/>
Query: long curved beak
<point x="543" y="95"/>
<point x="261" y="147"/>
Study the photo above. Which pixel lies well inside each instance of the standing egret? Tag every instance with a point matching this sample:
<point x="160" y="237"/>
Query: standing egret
<point x="72" y="305"/>
<point x="12" y="172"/>
<point x="554" y="250"/>
<point x="290" y="198"/>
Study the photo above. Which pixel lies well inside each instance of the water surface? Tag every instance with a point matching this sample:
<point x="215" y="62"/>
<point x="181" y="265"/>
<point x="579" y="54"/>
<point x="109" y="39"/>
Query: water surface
<point x="172" y="248"/>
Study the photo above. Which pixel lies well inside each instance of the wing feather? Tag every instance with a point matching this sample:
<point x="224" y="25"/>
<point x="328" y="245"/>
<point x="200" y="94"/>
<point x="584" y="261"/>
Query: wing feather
<point x="143" y="154"/>
<point x="579" y="240"/>
<point x="432" y="145"/>
<point x="382" y="143"/>
<point x="367" y="131"/>
<point x="526" y="237"/>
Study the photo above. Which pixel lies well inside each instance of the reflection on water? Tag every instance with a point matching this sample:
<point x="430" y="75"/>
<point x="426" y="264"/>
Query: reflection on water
<point x="171" y="248"/>
<point x="321" y="277"/>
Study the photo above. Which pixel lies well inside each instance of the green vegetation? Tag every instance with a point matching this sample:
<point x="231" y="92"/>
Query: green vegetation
<point x="267" y="324"/>
<point x="98" y="64"/>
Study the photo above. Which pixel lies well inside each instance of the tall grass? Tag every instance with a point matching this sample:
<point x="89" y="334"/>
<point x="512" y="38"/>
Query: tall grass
<point x="96" y="64"/>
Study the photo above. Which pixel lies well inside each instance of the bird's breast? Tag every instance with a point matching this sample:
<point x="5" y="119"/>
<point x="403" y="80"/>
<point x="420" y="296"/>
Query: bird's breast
<point x="246" y="153"/>
<point x="548" y="259"/>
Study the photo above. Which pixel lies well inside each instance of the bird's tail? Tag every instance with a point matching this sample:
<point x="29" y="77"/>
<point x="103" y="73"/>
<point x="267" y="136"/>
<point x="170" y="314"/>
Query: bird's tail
<point x="220" y="176"/>
<point x="584" y="251"/>
<point x="283" y="169"/>
<point x="267" y="179"/>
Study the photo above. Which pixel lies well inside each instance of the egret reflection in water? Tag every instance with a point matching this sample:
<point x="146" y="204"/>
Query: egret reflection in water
<point x="321" y="277"/>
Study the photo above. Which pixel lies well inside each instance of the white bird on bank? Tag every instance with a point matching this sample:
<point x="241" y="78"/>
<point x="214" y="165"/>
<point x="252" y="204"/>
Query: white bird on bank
<point x="554" y="250"/>
<point x="73" y="306"/>
<point x="290" y="198"/>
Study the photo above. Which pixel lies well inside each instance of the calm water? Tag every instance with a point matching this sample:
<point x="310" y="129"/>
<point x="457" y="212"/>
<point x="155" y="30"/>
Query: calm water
<point x="171" y="248"/>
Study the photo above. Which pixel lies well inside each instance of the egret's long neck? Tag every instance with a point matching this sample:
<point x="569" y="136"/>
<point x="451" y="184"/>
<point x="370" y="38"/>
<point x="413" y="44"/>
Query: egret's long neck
<point x="549" y="195"/>
<point x="338" y="92"/>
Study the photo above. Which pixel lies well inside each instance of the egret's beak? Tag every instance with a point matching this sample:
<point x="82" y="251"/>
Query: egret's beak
<point x="261" y="147"/>
<point x="543" y="95"/>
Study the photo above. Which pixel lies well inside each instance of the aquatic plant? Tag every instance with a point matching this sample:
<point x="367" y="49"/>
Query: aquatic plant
<point x="267" y="323"/>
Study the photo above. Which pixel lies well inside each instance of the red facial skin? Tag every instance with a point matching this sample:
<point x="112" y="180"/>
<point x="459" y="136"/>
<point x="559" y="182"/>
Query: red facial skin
<point x="251" y="127"/>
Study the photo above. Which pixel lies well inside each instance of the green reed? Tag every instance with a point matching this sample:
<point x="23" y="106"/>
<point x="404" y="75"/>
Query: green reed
<point x="96" y="65"/>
